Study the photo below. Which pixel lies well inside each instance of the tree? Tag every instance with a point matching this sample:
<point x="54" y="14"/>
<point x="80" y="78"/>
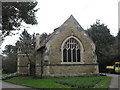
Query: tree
<point x="117" y="46"/>
<point x="43" y="36"/>
<point x="27" y="46"/>
<point x="118" y="38"/>
<point x="42" y="40"/>
<point x="17" y="12"/>
<point x="9" y="65"/>
<point x="9" y="49"/>
<point x="1" y="39"/>
<point x="104" y="41"/>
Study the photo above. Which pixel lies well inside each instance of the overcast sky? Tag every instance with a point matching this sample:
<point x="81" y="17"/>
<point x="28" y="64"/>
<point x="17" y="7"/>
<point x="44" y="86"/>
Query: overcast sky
<point x="53" y="13"/>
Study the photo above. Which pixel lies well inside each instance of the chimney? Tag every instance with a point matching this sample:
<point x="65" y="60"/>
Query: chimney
<point x="37" y="41"/>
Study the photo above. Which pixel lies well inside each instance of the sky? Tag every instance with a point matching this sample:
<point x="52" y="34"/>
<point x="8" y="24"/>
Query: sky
<point x="53" y="13"/>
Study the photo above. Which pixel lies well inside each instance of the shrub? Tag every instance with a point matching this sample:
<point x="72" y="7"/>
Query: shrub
<point x="8" y="76"/>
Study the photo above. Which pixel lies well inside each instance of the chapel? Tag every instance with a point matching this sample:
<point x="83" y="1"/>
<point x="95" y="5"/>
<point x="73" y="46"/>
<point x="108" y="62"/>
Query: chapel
<point x="68" y="51"/>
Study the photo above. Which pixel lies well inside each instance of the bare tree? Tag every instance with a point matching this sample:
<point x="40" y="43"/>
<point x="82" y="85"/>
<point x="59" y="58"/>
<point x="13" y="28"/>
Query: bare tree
<point x="27" y="46"/>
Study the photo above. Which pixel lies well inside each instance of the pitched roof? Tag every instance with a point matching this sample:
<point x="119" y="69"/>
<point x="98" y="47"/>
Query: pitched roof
<point x="70" y="21"/>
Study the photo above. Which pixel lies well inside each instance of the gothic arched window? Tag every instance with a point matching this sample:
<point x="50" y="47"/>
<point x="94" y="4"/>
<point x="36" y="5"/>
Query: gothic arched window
<point x="71" y="50"/>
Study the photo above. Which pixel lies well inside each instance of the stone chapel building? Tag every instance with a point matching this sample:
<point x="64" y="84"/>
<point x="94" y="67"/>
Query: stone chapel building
<point x="68" y="51"/>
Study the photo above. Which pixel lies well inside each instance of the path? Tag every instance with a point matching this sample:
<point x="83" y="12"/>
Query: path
<point x="9" y="85"/>
<point x="115" y="81"/>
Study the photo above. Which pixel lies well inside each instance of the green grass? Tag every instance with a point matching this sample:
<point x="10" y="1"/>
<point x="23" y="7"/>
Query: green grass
<point x="36" y="83"/>
<point x="70" y="82"/>
<point x="104" y="83"/>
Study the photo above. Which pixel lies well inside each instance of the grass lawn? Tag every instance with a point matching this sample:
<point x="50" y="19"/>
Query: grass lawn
<point x="69" y="82"/>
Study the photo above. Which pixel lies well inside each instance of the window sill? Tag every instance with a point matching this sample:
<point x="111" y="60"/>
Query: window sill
<point x="72" y="62"/>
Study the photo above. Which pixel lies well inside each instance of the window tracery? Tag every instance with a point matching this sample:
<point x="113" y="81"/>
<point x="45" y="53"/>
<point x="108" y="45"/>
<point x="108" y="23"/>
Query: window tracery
<point x="71" y="51"/>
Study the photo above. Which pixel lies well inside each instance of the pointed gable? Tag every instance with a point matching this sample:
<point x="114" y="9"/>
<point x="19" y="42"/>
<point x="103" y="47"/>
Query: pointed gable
<point x="71" y="21"/>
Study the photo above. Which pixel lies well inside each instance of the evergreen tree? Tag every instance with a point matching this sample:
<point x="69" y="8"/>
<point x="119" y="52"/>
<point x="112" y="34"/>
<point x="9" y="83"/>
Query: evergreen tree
<point x="9" y="65"/>
<point x="27" y="46"/>
<point x="118" y="38"/>
<point x="104" y="41"/>
<point x="14" y="13"/>
<point x="117" y="46"/>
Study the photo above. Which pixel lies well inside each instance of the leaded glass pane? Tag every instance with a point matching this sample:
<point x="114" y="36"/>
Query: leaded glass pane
<point x="69" y="55"/>
<point x="74" y="55"/>
<point x="64" y="55"/>
<point x="78" y="55"/>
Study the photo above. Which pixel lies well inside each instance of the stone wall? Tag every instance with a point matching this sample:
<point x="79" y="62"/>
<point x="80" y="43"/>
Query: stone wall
<point x="44" y="63"/>
<point x="67" y="70"/>
<point x="68" y="29"/>
<point x="88" y="54"/>
<point x="23" y="66"/>
<point x="53" y="52"/>
<point x="72" y="70"/>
